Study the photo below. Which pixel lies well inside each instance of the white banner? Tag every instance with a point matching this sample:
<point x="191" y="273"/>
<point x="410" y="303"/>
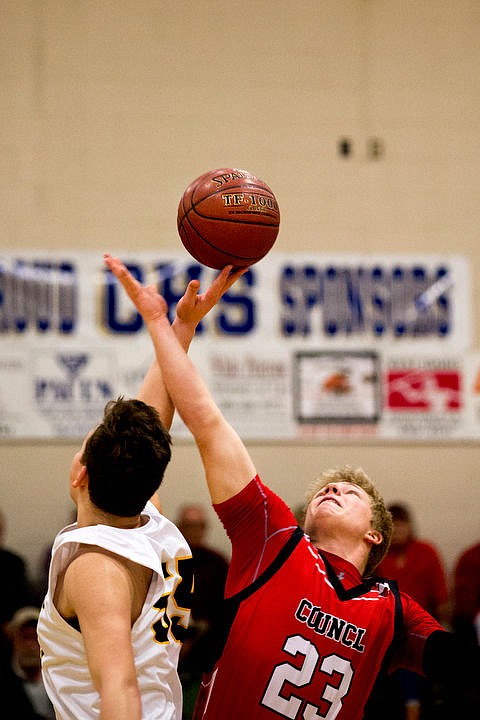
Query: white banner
<point x="303" y="346"/>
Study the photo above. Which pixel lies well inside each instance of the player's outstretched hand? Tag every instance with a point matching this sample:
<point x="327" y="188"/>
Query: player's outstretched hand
<point x="192" y="307"/>
<point x="146" y="299"/>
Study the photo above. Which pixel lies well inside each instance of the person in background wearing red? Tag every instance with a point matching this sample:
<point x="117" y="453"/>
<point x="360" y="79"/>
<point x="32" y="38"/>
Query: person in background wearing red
<point x="417" y="567"/>
<point x="466" y="596"/>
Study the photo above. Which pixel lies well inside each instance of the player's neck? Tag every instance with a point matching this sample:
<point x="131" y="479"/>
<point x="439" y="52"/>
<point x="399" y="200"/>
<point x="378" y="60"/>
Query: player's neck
<point x="355" y="555"/>
<point x="92" y="515"/>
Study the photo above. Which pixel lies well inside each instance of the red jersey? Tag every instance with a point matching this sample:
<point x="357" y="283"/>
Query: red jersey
<point x="308" y="636"/>
<point x="467" y="584"/>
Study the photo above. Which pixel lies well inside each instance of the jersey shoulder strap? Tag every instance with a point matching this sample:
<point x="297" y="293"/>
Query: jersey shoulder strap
<point x="231" y="605"/>
<point x="397" y="623"/>
<point x="270" y="571"/>
<point x="375" y="703"/>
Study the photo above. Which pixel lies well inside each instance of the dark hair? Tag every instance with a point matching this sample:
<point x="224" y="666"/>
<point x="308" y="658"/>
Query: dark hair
<point x="400" y="512"/>
<point x="126" y="457"/>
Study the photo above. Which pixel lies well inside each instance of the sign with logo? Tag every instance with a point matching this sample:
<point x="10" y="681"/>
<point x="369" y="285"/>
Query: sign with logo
<point x="303" y="346"/>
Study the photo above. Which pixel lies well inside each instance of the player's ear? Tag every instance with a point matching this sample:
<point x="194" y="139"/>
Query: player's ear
<point x="81" y="478"/>
<point x="374" y="536"/>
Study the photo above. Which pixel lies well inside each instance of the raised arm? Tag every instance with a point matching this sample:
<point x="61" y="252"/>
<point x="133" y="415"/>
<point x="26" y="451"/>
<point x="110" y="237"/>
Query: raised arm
<point x="191" y="309"/>
<point x="91" y="580"/>
<point x="228" y="466"/>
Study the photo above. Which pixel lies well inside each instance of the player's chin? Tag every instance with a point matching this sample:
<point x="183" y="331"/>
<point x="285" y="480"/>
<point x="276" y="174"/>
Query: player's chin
<point x="327" y="509"/>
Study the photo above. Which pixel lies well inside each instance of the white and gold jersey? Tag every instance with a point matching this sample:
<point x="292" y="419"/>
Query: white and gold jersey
<point x="156" y="635"/>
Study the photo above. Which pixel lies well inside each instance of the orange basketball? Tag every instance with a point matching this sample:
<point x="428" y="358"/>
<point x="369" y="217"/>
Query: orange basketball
<point x="228" y="217"/>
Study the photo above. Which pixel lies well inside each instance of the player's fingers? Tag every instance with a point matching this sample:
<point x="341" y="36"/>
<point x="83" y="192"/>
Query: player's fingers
<point x="130" y="284"/>
<point x="222" y="279"/>
<point x="234" y="274"/>
<point x="225" y="272"/>
<point x="192" y="289"/>
<point x="115" y="265"/>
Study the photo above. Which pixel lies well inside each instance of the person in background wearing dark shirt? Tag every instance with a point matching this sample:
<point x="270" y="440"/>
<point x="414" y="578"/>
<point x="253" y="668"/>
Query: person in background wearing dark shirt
<point x="206" y="622"/>
<point x="466" y="595"/>
<point x="14" y="581"/>
<point x="418" y="568"/>
<point x="22" y="692"/>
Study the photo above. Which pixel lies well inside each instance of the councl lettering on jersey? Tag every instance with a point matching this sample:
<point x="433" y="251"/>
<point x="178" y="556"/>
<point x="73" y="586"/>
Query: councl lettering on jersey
<point x="331" y="626"/>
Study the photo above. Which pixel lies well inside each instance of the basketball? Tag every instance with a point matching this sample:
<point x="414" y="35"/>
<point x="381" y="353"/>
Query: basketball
<point x="228" y="217"/>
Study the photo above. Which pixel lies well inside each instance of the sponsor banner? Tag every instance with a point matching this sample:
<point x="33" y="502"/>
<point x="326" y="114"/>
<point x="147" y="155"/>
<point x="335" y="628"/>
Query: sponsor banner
<point x="303" y="346"/>
<point x="426" y="396"/>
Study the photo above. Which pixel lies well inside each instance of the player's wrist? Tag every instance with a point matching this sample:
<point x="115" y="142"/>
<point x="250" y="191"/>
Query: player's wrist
<point x="158" y="323"/>
<point x="185" y="331"/>
<point x="188" y="324"/>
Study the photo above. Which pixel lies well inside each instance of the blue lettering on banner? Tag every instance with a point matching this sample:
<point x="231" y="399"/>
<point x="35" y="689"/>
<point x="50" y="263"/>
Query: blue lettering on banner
<point x="300" y="290"/>
<point x="235" y="314"/>
<point x="237" y="311"/>
<point x="87" y="390"/>
<point x="41" y="295"/>
<point x="400" y="301"/>
<point x="169" y="286"/>
<point x="133" y="322"/>
<point x="52" y="389"/>
<point x="166" y="280"/>
<point x="333" y="300"/>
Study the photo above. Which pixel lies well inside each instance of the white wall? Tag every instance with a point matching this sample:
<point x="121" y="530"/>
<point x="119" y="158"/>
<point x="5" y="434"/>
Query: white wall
<point x="110" y="107"/>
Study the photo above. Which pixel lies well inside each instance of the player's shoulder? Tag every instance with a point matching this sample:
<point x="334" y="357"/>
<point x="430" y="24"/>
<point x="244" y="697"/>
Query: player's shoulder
<point x="91" y="576"/>
<point x="90" y="560"/>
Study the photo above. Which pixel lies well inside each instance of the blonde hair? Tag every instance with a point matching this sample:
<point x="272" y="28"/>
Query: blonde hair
<point x="381" y="517"/>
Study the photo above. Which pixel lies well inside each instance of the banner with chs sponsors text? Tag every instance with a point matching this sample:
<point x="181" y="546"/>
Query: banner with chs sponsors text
<point x="303" y="347"/>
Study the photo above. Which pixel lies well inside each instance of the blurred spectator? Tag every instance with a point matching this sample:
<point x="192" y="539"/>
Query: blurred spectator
<point x="22" y="692"/>
<point x="466" y="598"/>
<point x="466" y="612"/>
<point x="417" y="567"/>
<point x="206" y="623"/>
<point x="14" y="581"/>
<point x="44" y="562"/>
